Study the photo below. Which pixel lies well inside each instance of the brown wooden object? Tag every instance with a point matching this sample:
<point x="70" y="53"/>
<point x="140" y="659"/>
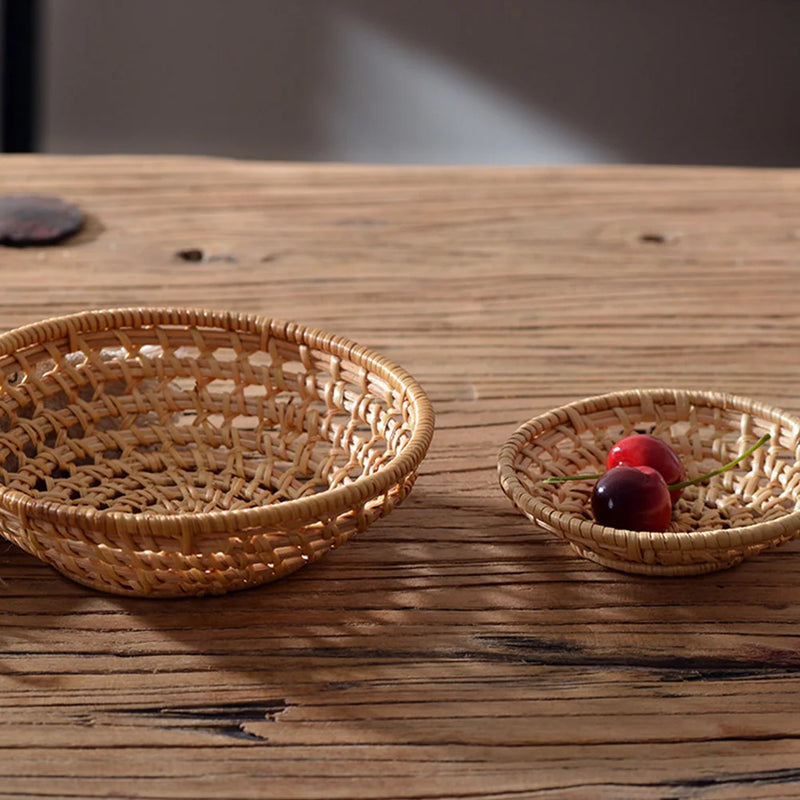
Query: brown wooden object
<point x="170" y="452"/>
<point x="452" y="649"/>
<point x="715" y="524"/>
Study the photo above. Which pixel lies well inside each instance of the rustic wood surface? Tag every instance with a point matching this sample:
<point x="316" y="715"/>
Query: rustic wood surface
<point x="452" y="650"/>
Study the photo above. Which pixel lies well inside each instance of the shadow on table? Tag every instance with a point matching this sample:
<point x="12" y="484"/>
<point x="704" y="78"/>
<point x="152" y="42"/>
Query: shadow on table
<point x="486" y="587"/>
<point x="475" y="632"/>
<point x="483" y="590"/>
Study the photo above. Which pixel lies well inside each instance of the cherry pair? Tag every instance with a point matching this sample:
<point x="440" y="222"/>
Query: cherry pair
<point x="640" y="485"/>
<point x="643" y="480"/>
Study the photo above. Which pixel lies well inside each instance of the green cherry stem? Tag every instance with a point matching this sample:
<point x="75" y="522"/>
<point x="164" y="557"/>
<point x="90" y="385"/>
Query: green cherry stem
<point x="564" y="478"/>
<point x="730" y="465"/>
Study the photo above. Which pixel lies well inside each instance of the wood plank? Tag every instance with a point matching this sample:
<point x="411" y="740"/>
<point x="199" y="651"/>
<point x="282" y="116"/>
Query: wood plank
<point x="452" y="650"/>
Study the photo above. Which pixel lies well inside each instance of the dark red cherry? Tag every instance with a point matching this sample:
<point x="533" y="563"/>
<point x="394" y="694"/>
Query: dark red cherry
<point x="643" y="450"/>
<point x="632" y="498"/>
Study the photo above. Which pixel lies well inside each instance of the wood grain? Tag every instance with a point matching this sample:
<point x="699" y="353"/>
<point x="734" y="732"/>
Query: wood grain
<point x="452" y="650"/>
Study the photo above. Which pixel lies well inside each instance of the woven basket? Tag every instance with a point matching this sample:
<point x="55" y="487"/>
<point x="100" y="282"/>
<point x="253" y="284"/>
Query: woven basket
<point x="715" y="525"/>
<point x="170" y="452"/>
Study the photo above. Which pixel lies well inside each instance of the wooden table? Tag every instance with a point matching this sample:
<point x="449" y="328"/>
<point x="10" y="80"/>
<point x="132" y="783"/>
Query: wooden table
<point x="452" y="650"/>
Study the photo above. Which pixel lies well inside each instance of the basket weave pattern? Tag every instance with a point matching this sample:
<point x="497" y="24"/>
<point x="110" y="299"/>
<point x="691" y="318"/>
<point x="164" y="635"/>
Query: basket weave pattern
<point x="167" y="452"/>
<point x="715" y="524"/>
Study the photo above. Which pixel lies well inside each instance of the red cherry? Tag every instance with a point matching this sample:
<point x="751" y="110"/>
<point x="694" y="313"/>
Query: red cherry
<point x="643" y="450"/>
<point x="632" y="498"/>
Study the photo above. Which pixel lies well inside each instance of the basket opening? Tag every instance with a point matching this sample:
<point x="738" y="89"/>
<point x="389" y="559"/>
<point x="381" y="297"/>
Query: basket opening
<point x="759" y="490"/>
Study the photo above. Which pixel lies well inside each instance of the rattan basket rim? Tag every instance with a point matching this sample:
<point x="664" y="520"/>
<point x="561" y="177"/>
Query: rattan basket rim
<point x="323" y="505"/>
<point x="574" y="527"/>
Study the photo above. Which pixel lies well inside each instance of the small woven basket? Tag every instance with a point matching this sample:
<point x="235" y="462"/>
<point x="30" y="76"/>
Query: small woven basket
<point x="170" y="452"/>
<point x="715" y="525"/>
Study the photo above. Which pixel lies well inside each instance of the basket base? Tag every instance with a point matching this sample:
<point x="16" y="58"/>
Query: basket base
<point x="134" y="579"/>
<point x="656" y="570"/>
<point x="170" y="591"/>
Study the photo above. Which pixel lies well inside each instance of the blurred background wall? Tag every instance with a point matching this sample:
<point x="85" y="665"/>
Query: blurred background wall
<point x="447" y="81"/>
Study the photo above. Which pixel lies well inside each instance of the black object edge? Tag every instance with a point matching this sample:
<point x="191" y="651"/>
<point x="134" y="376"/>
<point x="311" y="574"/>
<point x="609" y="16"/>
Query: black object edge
<point x="20" y="31"/>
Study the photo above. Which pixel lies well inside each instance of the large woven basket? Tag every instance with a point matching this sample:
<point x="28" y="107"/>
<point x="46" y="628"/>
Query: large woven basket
<point x="170" y="452"/>
<point x="715" y="525"/>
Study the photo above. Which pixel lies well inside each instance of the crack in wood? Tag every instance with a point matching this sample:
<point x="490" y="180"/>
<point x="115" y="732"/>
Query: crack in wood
<point x="228" y="719"/>
<point x="556" y="652"/>
<point x="766" y="777"/>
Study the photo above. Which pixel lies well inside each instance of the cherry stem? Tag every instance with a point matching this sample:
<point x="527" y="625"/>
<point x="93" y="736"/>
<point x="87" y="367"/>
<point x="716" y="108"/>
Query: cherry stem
<point x="564" y="478"/>
<point x="730" y="465"/>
